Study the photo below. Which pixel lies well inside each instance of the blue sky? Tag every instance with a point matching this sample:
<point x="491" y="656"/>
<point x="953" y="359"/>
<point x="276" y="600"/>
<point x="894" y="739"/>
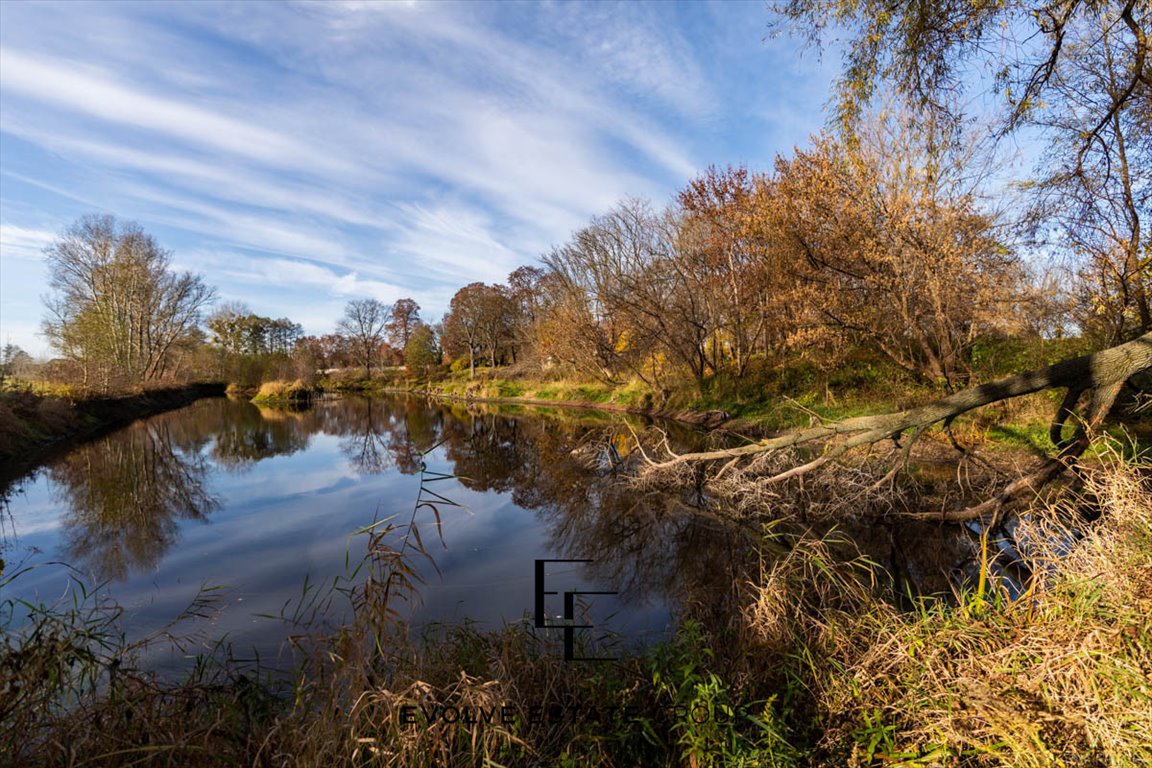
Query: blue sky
<point x="300" y="155"/>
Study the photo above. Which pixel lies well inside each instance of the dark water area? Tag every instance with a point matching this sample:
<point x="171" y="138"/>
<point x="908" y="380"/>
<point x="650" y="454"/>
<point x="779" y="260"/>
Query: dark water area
<point x="253" y="504"/>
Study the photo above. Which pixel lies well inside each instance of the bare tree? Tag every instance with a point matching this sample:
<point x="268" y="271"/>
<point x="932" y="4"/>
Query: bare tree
<point x="117" y="308"/>
<point x="363" y="324"/>
<point x="641" y="294"/>
<point x="1099" y="195"/>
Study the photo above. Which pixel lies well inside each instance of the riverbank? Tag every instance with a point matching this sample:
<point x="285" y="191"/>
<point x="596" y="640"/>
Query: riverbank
<point x="1019" y="426"/>
<point x="34" y="426"/>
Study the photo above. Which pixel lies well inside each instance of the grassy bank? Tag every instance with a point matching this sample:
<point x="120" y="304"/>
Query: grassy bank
<point x="820" y="668"/>
<point x="1019" y="426"/>
<point x="34" y="420"/>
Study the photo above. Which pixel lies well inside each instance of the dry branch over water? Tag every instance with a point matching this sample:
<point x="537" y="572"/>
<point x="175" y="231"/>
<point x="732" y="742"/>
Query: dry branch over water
<point x="1100" y="376"/>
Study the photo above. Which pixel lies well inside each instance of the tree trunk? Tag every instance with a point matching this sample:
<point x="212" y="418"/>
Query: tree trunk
<point x="1099" y="370"/>
<point x="1102" y="373"/>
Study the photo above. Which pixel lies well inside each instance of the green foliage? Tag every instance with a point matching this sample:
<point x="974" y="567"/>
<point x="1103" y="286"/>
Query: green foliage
<point x="421" y="354"/>
<point x="710" y="726"/>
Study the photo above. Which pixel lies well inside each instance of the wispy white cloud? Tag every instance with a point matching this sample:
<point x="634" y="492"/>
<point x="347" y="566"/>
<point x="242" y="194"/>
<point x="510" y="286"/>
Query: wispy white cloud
<point x="379" y="148"/>
<point x="24" y="243"/>
<point x="85" y="88"/>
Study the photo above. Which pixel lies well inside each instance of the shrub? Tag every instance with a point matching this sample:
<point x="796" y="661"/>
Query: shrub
<point x="283" y="391"/>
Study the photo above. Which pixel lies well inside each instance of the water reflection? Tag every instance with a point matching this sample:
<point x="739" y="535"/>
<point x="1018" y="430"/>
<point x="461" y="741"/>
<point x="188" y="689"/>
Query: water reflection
<point x="258" y="498"/>
<point x="380" y="436"/>
<point x="244" y="433"/>
<point x="126" y="495"/>
<point x="644" y="544"/>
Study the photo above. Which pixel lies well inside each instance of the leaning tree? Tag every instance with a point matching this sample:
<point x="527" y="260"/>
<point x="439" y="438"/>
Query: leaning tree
<point x="1091" y="383"/>
<point x="1081" y="72"/>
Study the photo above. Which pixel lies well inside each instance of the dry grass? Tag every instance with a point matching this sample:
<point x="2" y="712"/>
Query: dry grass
<point x="283" y="391"/>
<point x="833" y="673"/>
<point x="1057" y="677"/>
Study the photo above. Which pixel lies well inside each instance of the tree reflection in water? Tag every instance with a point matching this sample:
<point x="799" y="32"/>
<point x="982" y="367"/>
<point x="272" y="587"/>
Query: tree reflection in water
<point x="127" y="492"/>
<point x="647" y="546"/>
<point x="385" y="434"/>
<point x="244" y="433"/>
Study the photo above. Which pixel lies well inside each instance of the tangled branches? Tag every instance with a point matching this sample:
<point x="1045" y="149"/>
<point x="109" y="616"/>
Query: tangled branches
<point x="749" y="475"/>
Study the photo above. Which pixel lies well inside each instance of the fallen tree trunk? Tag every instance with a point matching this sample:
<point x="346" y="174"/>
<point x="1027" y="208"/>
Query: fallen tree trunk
<point x="1102" y="374"/>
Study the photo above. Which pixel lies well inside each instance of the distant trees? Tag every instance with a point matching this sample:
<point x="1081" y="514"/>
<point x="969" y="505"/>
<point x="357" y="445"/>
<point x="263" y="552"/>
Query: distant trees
<point x="237" y="330"/>
<point x="14" y="361"/>
<point x="403" y="319"/>
<point x="252" y="348"/>
<point x="421" y="354"/>
<point x="880" y="243"/>
<point x="116" y="306"/>
<point x="363" y="326"/>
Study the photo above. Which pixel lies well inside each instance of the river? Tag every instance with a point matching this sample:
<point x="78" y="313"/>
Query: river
<point x="256" y="510"/>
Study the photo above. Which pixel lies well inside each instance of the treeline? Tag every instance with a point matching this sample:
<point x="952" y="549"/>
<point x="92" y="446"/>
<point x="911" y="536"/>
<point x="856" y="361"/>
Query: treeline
<point x="881" y="248"/>
<point x="248" y="349"/>
<point x="882" y="244"/>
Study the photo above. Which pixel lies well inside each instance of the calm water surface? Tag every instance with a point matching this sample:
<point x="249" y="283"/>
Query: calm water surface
<point x="258" y="502"/>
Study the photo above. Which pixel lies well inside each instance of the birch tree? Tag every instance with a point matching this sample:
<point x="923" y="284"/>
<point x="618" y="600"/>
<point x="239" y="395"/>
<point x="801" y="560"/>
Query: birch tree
<point x="116" y="306"/>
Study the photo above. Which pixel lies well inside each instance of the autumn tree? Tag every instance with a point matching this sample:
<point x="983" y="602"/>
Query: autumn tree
<point x="893" y="247"/>
<point x="643" y="292"/>
<point x="116" y="305"/>
<point x="403" y="319"/>
<point x="923" y="52"/>
<point x="723" y="221"/>
<point x="363" y="326"/>
<point x="498" y="317"/>
<point x="1080" y="73"/>
<point x="478" y="321"/>
<point x="525" y="290"/>
<point x="577" y="326"/>
<point x="421" y="353"/>
<point x="462" y="324"/>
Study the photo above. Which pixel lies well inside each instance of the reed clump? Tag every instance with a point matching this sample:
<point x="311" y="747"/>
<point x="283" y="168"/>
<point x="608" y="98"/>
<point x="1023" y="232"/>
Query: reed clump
<point x="284" y="392"/>
<point x="1057" y="676"/>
